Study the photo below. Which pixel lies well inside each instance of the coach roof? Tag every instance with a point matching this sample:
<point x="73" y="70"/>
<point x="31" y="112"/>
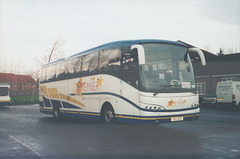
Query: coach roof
<point x="119" y="44"/>
<point x="128" y="43"/>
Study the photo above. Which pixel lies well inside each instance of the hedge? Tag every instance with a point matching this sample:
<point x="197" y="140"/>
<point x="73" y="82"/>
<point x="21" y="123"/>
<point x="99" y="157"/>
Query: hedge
<point x="19" y="100"/>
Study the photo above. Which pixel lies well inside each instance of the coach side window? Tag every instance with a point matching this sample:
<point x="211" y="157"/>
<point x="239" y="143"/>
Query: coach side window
<point x="114" y="62"/>
<point x="70" y="69"/>
<point x="104" y="61"/>
<point x="73" y="67"/>
<point x="51" y="73"/>
<point x="130" y="67"/>
<point x="60" y="71"/>
<point x="76" y="64"/>
<point x="66" y="67"/>
<point x="109" y="61"/>
<point x="90" y="64"/>
<point x="93" y="63"/>
<point x="43" y="74"/>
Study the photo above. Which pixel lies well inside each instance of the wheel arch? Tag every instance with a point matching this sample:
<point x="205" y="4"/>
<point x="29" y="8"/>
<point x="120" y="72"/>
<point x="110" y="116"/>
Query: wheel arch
<point x="107" y="105"/>
<point x="56" y="104"/>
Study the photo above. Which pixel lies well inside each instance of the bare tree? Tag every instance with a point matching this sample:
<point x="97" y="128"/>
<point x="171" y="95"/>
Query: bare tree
<point x="56" y="51"/>
<point x="5" y="67"/>
<point x="53" y="53"/>
<point x="35" y="74"/>
<point x="207" y="48"/>
<point x="221" y="52"/>
<point x="230" y="51"/>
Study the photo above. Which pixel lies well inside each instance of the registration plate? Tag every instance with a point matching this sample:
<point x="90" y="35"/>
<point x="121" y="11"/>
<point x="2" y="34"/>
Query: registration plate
<point x="177" y="119"/>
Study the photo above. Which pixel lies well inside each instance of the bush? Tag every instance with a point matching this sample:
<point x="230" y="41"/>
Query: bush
<point x="19" y="100"/>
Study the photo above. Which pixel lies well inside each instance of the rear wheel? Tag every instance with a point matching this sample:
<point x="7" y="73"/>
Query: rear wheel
<point x="234" y="104"/>
<point x="56" y="112"/>
<point x="108" y="115"/>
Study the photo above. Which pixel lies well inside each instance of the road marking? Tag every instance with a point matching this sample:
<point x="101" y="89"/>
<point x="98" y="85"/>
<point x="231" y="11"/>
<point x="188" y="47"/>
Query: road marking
<point x="25" y="145"/>
<point x="234" y="150"/>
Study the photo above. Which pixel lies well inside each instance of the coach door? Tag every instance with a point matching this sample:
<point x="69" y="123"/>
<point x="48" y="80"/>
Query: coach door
<point x="130" y="76"/>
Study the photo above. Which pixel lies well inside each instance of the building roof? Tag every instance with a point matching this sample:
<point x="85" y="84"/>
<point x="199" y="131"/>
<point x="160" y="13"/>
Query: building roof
<point x="230" y="57"/>
<point x="219" y="65"/>
<point x="10" y="77"/>
<point x="208" y="55"/>
<point x="216" y="65"/>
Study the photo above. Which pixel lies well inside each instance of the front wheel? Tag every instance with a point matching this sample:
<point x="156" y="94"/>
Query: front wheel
<point x="108" y="115"/>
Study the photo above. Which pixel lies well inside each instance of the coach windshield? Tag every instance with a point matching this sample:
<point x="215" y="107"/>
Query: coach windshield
<point x="167" y="68"/>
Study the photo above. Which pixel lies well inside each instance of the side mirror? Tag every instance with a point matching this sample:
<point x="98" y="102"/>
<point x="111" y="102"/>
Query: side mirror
<point x="131" y="56"/>
<point x="127" y="57"/>
<point x="200" y="53"/>
<point x="141" y="54"/>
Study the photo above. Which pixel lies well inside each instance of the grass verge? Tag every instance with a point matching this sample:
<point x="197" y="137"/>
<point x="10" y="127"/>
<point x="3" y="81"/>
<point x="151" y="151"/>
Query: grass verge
<point x="19" y="100"/>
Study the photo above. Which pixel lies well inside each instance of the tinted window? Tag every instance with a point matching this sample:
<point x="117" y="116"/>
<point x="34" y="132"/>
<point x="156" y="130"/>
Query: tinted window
<point x="76" y="64"/>
<point x="109" y="61"/>
<point x="51" y="72"/>
<point x="43" y="74"/>
<point x="90" y="64"/>
<point x="60" y="71"/>
<point x="93" y="63"/>
<point x="130" y="73"/>
<point x="105" y="61"/>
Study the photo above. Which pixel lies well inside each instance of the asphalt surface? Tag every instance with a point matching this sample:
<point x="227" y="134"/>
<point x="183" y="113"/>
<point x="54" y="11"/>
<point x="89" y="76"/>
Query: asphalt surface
<point x="27" y="133"/>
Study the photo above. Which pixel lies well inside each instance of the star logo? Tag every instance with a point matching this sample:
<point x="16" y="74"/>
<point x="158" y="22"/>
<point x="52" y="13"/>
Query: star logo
<point x="99" y="81"/>
<point x="79" y="85"/>
<point x="170" y="103"/>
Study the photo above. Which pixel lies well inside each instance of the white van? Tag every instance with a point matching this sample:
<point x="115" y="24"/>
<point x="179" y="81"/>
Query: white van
<point x="228" y="92"/>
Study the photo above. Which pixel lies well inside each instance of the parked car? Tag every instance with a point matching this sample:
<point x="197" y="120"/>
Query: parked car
<point x="209" y="99"/>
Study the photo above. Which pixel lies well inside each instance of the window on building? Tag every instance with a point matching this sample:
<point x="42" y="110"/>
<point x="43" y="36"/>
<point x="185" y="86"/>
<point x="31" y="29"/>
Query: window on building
<point x="201" y="87"/>
<point x="224" y="79"/>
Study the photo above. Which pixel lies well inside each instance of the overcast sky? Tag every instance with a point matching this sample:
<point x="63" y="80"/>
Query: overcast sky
<point x="28" y="28"/>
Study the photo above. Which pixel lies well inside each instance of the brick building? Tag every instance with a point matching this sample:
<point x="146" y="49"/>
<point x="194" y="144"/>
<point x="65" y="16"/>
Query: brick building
<point x="20" y="84"/>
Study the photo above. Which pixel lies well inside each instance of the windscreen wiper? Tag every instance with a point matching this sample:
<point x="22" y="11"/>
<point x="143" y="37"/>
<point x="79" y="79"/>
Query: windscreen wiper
<point x="164" y="87"/>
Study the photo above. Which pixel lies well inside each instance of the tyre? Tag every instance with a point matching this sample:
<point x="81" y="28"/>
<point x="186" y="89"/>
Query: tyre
<point x="56" y="113"/>
<point x="108" y="115"/>
<point x="234" y="104"/>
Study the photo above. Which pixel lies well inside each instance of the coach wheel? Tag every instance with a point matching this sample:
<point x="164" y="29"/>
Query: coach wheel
<point x="56" y="112"/>
<point x="108" y="115"/>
